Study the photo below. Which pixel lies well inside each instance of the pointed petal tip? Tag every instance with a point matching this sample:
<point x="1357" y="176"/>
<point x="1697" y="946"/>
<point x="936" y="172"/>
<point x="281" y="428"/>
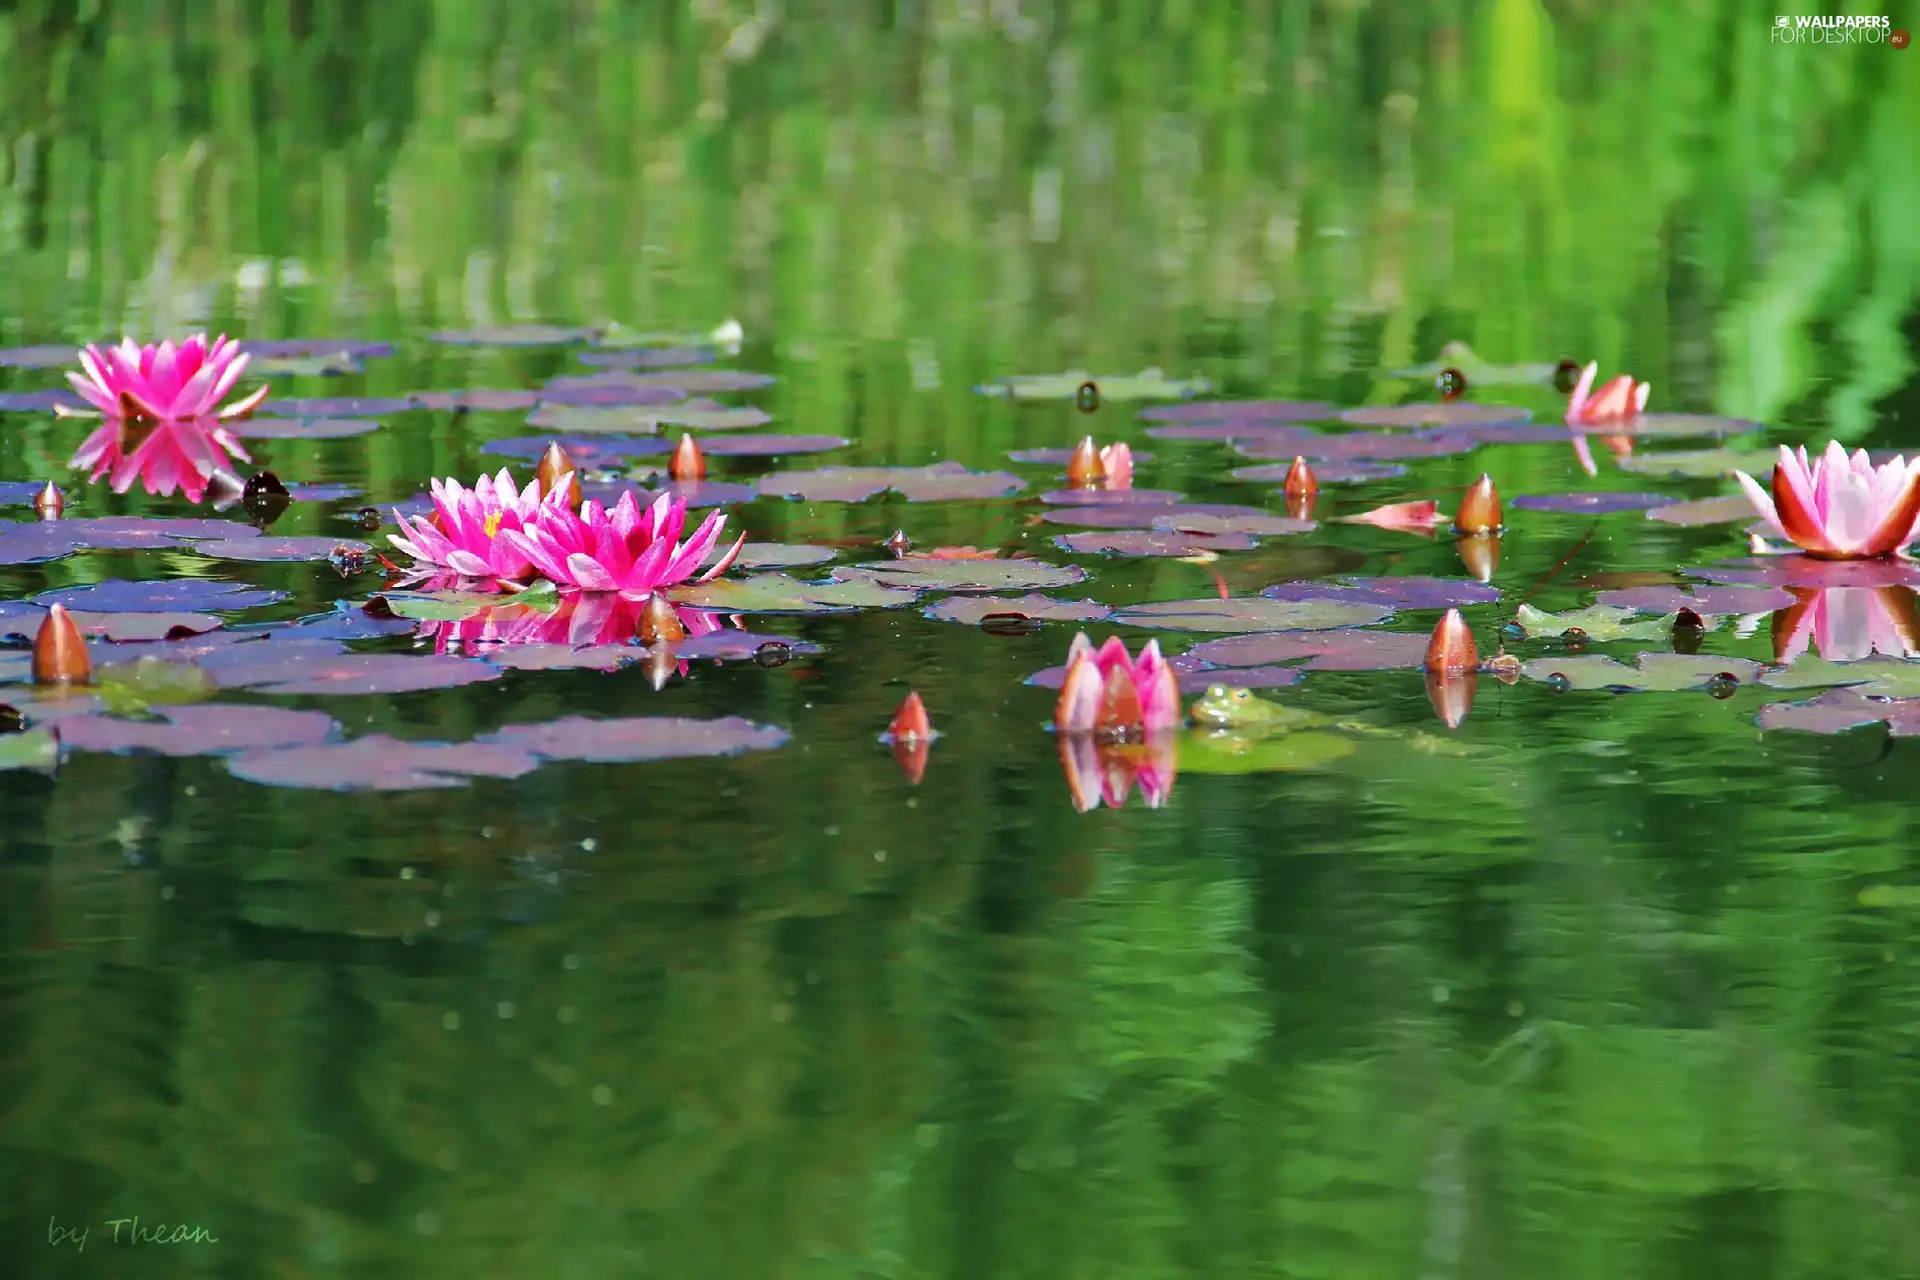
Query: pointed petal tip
<point x="1479" y="508"/>
<point x="910" y="722"/>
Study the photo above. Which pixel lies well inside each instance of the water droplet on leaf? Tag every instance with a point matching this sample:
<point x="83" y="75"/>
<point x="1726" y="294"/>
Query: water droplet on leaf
<point x="1558" y="683"/>
<point x="369" y="518"/>
<point x="1087" y="399"/>
<point x="1451" y="383"/>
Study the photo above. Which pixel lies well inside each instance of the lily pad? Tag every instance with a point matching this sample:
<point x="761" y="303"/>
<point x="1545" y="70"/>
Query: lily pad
<point x="1149" y="384"/>
<point x="1248" y="413"/>
<point x="589" y="452"/>
<point x="1258" y="524"/>
<point x="1838" y="710"/>
<point x="1700" y="464"/>
<point x="1664" y="672"/>
<point x="1325" y="470"/>
<point x="303" y="428"/>
<point x="648" y="357"/>
<point x="771" y="555"/>
<point x="28" y="543"/>
<point x="1441" y="413"/>
<point x="482" y="400"/>
<point x="1061" y="457"/>
<point x="35" y="749"/>
<point x="965" y="575"/>
<point x="39" y="401"/>
<point x="117" y="595"/>
<point x="562" y="657"/>
<point x="1349" y="446"/>
<point x="515" y="335"/>
<point x="317" y="408"/>
<point x="380" y="763"/>
<point x="132" y="688"/>
<point x="1725" y="510"/>
<point x="266" y="549"/>
<point x="1480" y="373"/>
<point x="206" y="729"/>
<point x="757" y="445"/>
<point x="695" y="493"/>
<point x="1345" y="649"/>
<point x="281" y="672"/>
<point x="1390" y="593"/>
<point x="614" y="387"/>
<point x="1705" y="601"/>
<point x="1594" y="503"/>
<point x="1108" y="498"/>
<point x="1233" y="754"/>
<point x="596" y="420"/>
<point x="638" y="738"/>
<point x="1601" y="622"/>
<point x="1671" y="424"/>
<point x="24" y="619"/>
<point x="779" y="593"/>
<point x="973" y="610"/>
<point x="942" y="481"/>
<point x="1880" y="676"/>
<point x="1249" y="613"/>
<point x="1151" y="542"/>
<point x="453" y="606"/>
<point x="1123" y="515"/>
<point x="335" y="365"/>
<point x="302" y="348"/>
<point x="57" y="355"/>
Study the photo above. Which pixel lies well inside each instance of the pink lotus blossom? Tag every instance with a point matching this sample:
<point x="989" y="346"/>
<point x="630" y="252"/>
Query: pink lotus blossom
<point x="164" y="456"/>
<point x="1620" y="399"/>
<point x="627" y="550"/>
<point x="164" y="383"/>
<point x="1840" y="508"/>
<point x="469" y="531"/>
<point x="1847" y="623"/>
<point x="1116" y="460"/>
<point x="1107" y="693"/>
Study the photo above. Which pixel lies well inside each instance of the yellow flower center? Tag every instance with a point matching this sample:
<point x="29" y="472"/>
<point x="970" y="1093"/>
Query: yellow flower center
<point x="493" y="525"/>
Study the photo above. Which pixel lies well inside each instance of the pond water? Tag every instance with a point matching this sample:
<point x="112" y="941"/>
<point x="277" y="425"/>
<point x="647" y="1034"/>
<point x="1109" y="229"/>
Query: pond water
<point x="691" y="974"/>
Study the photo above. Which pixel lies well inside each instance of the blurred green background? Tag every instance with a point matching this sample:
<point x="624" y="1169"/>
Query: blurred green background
<point x="1637" y="999"/>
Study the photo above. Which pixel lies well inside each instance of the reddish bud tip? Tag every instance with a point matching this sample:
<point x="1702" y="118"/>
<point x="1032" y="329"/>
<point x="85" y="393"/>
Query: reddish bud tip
<point x="1480" y="555"/>
<point x="1300" y="482"/>
<point x="910" y="721"/>
<point x="48" y="503"/>
<point x="1084" y="468"/>
<point x="911" y="755"/>
<point x="59" y="654"/>
<point x="1451" y="648"/>
<point x="557" y="468"/>
<point x="659" y="624"/>
<point x="1479" y="509"/>
<point x="688" y="462"/>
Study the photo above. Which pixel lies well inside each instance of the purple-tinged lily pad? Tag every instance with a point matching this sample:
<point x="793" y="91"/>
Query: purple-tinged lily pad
<point x="1599" y="502"/>
<point x="639" y="738"/>
<point x="380" y="763"/>
<point x="1672" y="424"/>
<point x="304" y="428"/>
<point x="1701" y="511"/>
<point x="212" y="651"/>
<point x="733" y="644"/>
<point x="686" y="381"/>
<point x="317" y="407"/>
<point x="322" y="492"/>
<point x="1391" y="593"/>
<point x="515" y="335"/>
<point x="779" y="593"/>
<point x="1705" y="601"/>
<point x="942" y="481"/>
<point x="1838" y="710"/>
<point x="263" y="549"/>
<point x="1325" y="470"/>
<point x="696" y="493"/>
<point x="647" y="357"/>
<point x="298" y="348"/>
<point x="562" y="657"/>
<point x="1700" y="464"/>
<point x="1108" y="515"/>
<point x="117" y="595"/>
<point x="642" y="418"/>
<point x="197" y="730"/>
<point x="39" y="401"/>
<point x="1440" y="413"/>
<point x="929" y="574"/>
<point x="1249" y="613"/>
<point x="760" y="445"/>
<point x="1235" y="432"/>
<point x="1150" y="542"/>
<point x="18" y="492"/>
<point x="279" y="672"/>
<point x="1479" y="435"/>
<point x="1242" y="412"/>
<point x="17" y="617"/>
<point x="771" y="555"/>
<point x="590" y="452"/>
<point x="1349" y="446"/>
<point x="1148" y="384"/>
<point x="1805" y="571"/>
<point x="1111" y="498"/>
<point x="1878" y="675"/>
<point x="29" y="543"/>
<point x="614" y="388"/>
<point x="1342" y="649"/>
<point x="1258" y="524"/>
<point x="52" y="356"/>
<point x="972" y="610"/>
<point x="478" y="400"/>
<point x="1662" y="672"/>
<point x="1061" y="457"/>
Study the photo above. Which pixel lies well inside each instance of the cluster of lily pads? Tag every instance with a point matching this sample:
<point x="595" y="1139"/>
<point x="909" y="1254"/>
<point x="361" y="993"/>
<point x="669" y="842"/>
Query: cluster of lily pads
<point x="581" y="564"/>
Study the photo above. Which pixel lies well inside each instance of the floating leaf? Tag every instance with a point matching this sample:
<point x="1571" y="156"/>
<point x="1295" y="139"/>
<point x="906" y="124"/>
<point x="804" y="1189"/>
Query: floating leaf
<point x="1448" y="413"/>
<point x="1705" y="601"/>
<point x="1724" y="510"/>
<point x="1838" y="710"/>
<point x="1880" y="676"/>
<point x="1249" y="613"/>
<point x="303" y="428"/>
<point x="1700" y="464"/>
<point x="24" y="543"/>
<point x="1348" y="446"/>
<point x="1230" y="753"/>
<point x="1664" y="672"/>
<point x="755" y="445"/>
<point x="1240" y="413"/>
<point x="321" y="407"/>
<point x="640" y="738"/>
<point x="1326" y="471"/>
<point x="966" y="575"/>
<point x="1151" y="542"/>
<point x="1125" y="515"/>
<point x="283" y="672"/>
<point x="119" y="596"/>
<point x="732" y="644"/>
<point x="1671" y="424"/>
<point x="588" y="452"/>
<point x="130" y="688"/>
<point x="1256" y="523"/>
<point x="58" y="355"/>
<point x="1478" y="372"/>
<point x="484" y="400"/>
<point x="614" y="387"/>
<point x="1333" y="650"/>
<point x="207" y="729"/>
<point x="1110" y="497"/>
<point x="648" y="357"/>
<point x="1805" y="571"/>
<point x="380" y="763"/>
<point x="1390" y="593"/>
<point x="1601" y="622"/>
<point x="266" y="549"/>
<point x="771" y="555"/>
<point x="1149" y="384"/>
<point x="695" y="493"/>
<point x="454" y="606"/>
<point x="299" y="348"/>
<point x="1061" y="457"/>
<point x="35" y="749"/>
<point x="335" y="365"/>
<point x="597" y="420"/>
<point x="515" y="335"/>
<point x="39" y="401"/>
<point x="1602" y="502"/>
<point x="22" y="618"/>
<point x="779" y="593"/>
<point x="940" y="482"/>
<point x="972" y="610"/>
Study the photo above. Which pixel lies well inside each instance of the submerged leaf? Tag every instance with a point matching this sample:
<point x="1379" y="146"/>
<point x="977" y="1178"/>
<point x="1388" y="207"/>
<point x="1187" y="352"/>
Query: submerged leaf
<point x="33" y="749"/>
<point x="128" y="688"/>
<point x="1393" y="593"/>
<point x="208" y="729"/>
<point x="380" y="763"/>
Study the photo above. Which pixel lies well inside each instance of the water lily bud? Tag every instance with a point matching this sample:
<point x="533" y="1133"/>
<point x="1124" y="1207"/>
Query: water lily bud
<point x="1084" y="468"/>
<point x="1116" y="460"/>
<point x="556" y="466"/>
<point x="1452" y="696"/>
<point x="688" y="462"/>
<point x="1120" y="713"/>
<point x="910" y="721"/>
<point x="1300" y="505"/>
<point x="59" y="654"/>
<point x="1300" y="482"/>
<point x="659" y="623"/>
<point x="1077" y="709"/>
<point x="48" y="503"/>
<point x="1481" y="556"/>
<point x="1452" y="648"/>
<point x="1479" y="509"/>
<point x="898" y="543"/>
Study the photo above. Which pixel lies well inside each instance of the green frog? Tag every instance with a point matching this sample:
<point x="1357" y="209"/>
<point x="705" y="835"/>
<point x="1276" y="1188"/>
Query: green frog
<point x="1236" y="732"/>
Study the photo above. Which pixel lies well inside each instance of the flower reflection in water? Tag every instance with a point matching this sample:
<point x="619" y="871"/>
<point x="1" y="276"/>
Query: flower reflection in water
<point x="1848" y="623"/>
<point x="579" y="619"/>
<point x="1106" y="771"/>
<point x="176" y="455"/>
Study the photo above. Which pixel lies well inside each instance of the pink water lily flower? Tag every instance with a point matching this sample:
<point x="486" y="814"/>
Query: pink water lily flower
<point x="1621" y="398"/>
<point x="628" y="550"/>
<point x="469" y="530"/>
<point x="1840" y="507"/>
<point x="163" y="383"/>
<point x="163" y="456"/>
<point x="1105" y="692"/>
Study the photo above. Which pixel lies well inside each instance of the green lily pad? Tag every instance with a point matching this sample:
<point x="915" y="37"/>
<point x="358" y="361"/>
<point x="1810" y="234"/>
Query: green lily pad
<point x="1723" y="510"/>
<point x="335" y="365"/>
<point x="1880" y="676"/>
<point x="1601" y="622"/>
<point x="780" y="593"/>
<point x="456" y="606"/>
<point x="1230" y="753"/>
<point x="1149" y="384"/>
<point x="129" y="688"/>
<point x="1700" y="464"/>
<point x="646" y="419"/>
<point x="1664" y="672"/>
<point x="965" y="575"/>
<point x="1244" y="614"/>
<point x="33" y="749"/>
<point x="1480" y="373"/>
